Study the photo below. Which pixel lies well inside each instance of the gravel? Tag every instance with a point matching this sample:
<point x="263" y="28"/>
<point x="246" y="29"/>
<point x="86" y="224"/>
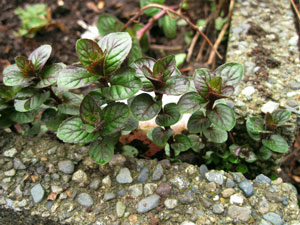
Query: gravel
<point x="147" y="204"/>
<point x="37" y="193"/>
<point x="85" y="200"/>
<point x="66" y="166"/>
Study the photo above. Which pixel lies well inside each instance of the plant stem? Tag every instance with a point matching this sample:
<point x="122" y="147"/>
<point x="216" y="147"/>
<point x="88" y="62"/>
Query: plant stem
<point x="167" y="9"/>
<point x="151" y="22"/>
<point x="170" y="140"/>
<point x="53" y="95"/>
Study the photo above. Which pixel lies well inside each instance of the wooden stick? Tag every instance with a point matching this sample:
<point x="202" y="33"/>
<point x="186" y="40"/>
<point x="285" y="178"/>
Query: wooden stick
<point x="192" y="46"/>
<point x="222" y="33"/>
<point x="167" y="9"/>
<point x="296" y="9"/>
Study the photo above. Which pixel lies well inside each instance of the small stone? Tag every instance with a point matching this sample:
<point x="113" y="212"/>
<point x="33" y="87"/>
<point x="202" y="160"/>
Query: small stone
<point x="210" y="187"/>
<point x="229" y="183"/>
<point x="186" y="198"/>
<point x="56" y="189"/>
<point x="270" y="106"/>
<point x="10" y="173"/>
<point x="248" y="91"/>
<point x="205" y="202"/>
<point x="120" y="208"/>
<point x="117" y="160"/>
<point x="109" y="196"/>
<point x="218" y="208"/>
<point x="149" y="188"/>
<point x="136" y="190"/>
<point x="203" y="169"/>
<point x="79" y="176"/>
<point x="247" y="187"/>
<point x="187" y="223"/>
<point x="85" y="199"/>
<point x="158" y="172"/>
<point x="215" y="177"/>
<point x="228" y="192"/>
<point x="236" y="199"/>
<point x="262" y="179"/>
<point x="190" y="170"/>
<point x="171" y="203"/>
<point x="18" y="165"/>
<point x="238" y="176"/>
<point x="273" y="218"/>
<point x="273" y="197"/>
<point x="285" y="201"/>
<point x="106" y="182"/>
<point x="164" y="189"/>
<point x="37" y="193"/>
<point x="240" y="213"/>
<point x="144" y="174"/>
<point x="292" y="103"/>
<point x="95" y="184"/>
<point x="10" y="153"/>
<point x="263" y="205"/>
<point x="147" y="204"/>
<point x="180" y="182"/>
<point x="294" y="85"/>
<point x="66" y="166"/>
<point x="124" y="176"/>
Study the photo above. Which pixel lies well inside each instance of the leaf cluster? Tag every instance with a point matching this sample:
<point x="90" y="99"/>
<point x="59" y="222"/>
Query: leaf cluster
<point x="33" y="17"/>
<point x="120" y="93"/>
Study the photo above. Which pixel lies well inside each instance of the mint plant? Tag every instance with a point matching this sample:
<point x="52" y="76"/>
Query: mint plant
<point x="34" y="17"/>
<point x="29" y="87"/>
<point x="119" y="93"/>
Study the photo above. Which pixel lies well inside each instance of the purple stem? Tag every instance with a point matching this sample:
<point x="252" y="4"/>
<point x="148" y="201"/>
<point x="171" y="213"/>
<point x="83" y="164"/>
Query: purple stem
<point x="149" y="25"/>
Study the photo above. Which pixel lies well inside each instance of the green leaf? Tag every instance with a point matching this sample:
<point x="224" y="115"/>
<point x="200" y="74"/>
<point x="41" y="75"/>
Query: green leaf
<point x="255" y="126"/>
<point x="40" y="56"/>
<point x="5" y="121"/>
<point x="90" y="111"/>
<point x="23" y="117"/>
<point x="216" y="135"/>
<point x="201" y="80"/>
<point x="222" y="116"/>
<point x="12" y="76"/>
<point x="129" y="151"/>
<point x="101" y="151"/>
<point x="139" y="65"/>
<point x="8" y="93"/>
<point x="117" y="46"/>
<point x="72" y="77"/>
<point x="170" y="115"/>
<point x="88" y="51"/>
<point x="169" y="26"/>
<point x="49" y="75"/>
<point x="198" y="122"/>
<point x="136" y="51"/>
<point x="25" y="66"/>
<point x="115" y="117"/>
<point x="71" y="131"/>
<point x="68" y="109"/>
<point x="161" y="136"/>
<point x="143" y="107"/>
<point x="280" y="117"/>
<point x="251" y="157"/>
<point x="265" y="153"/>
<point x="107" y="24"/>
<point x="131" y="124"/>
<point x="176" y="85"/>
<point x="242" y="168"/>
<point x="164" y="68"/>
<point x="151" y="11"/>
<point x="231" y="73"/>
<point x="180" y="58"/>
<point x="196" y="143"/>
<point x="276" y="143"/>
<point x="182" y="143"/>
<point x="70" y="97"/>
<point x="53" y="118"/>
<point x="190" y="102"/>
<point x="36" y="101"/>
<point x="124" y="84"/>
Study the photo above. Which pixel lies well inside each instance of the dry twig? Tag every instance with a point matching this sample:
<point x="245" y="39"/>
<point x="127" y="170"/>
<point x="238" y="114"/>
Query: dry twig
<point x="222" y="33"/>
<point x="296" y="9"/>
<point x="167" y="9"/>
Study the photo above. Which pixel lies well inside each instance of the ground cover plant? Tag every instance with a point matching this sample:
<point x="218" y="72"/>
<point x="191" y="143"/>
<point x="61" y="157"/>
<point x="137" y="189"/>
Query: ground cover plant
<point x="44" y="96"/>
